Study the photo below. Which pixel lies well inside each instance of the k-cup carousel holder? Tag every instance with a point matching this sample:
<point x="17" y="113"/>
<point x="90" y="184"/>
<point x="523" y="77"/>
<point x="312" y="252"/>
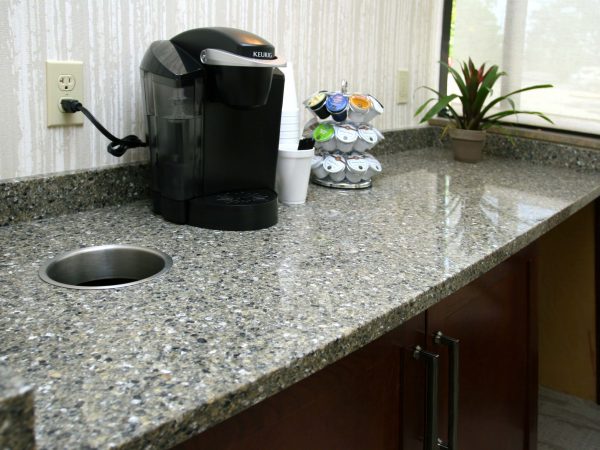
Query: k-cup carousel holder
<point x="342" y="137"/>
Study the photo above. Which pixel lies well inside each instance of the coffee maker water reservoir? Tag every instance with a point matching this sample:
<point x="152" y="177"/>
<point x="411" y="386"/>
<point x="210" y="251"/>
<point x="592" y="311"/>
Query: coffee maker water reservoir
<point x="213" y="100"/>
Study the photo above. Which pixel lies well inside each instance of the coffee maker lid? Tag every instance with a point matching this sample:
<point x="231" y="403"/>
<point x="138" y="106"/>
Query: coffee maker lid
<point x="165" y="59"/>
<point x="237" y="42"/>
<point x="214" y="57"/>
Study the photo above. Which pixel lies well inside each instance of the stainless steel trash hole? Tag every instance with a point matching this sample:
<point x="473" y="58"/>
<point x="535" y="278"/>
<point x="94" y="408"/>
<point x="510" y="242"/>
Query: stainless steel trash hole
<point x="105" y="267"/>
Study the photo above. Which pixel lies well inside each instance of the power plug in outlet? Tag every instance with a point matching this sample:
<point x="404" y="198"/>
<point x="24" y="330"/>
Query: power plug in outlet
<point x="64" y="79"/>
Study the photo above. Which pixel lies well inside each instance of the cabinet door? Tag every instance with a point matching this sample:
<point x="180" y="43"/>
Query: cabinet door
<point x="354" y="403"/>
<point x="494" y="319"/>
<point x="412" y="383"/>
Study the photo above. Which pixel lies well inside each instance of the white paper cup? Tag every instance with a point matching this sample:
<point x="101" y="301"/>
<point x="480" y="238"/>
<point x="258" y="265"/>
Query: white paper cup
<point x="288" y="144"/>
<point x="293" y="133"/>
<point x="290" y="97"/>
<point x="293" y="172"/>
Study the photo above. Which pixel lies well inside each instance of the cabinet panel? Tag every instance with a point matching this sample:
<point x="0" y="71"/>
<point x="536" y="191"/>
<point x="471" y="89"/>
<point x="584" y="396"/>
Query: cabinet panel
<point x="491" y="317"/>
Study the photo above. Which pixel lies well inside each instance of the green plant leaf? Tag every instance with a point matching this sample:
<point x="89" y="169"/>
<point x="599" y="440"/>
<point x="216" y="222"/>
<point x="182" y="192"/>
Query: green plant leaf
<point x="486" y="88"/>
<point x="455" y="116"/>
<point x="423" y="106"/>
<point x="431" y="89"/>
<point x="457" y="78"/>
<point x="494" y="118"/>
<point x="441" y="104"/>
<point x="511" y="102"/>
<point x="505" y="97"/>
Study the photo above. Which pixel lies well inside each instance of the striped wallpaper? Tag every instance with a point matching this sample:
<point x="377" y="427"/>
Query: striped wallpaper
<point x="363" y="41"/>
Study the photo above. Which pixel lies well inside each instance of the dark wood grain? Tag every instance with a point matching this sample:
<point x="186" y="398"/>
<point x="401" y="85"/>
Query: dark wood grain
<point x="491" y="317"/>
<point x="597" y="288"/>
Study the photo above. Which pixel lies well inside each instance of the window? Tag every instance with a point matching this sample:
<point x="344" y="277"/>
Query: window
<point x="536" y="42"/>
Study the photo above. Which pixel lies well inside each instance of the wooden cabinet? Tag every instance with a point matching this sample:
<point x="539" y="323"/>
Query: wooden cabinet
<point x="493" y="318"/>
<point x="374" y="399"/>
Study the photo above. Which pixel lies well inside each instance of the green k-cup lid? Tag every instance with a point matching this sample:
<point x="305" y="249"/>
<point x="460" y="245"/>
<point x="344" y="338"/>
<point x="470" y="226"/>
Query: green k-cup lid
<point x="323" y="132"/>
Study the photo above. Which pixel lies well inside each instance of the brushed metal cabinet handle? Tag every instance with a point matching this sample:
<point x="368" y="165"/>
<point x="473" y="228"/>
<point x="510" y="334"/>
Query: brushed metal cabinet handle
<point x="453" y="382"/>
<point x="431" y="361"/>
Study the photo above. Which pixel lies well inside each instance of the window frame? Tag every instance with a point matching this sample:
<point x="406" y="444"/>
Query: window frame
<point x="447" y="12"/>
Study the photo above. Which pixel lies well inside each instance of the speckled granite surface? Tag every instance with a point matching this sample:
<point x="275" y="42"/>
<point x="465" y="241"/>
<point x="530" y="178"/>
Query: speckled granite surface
<point x="50" y="196"/>
<point x="540" y="152"/>
<point x="535" y="151"/>
<point x="407" y="139"/>
<point x="243" y="315"/>
<point x="16" y="412"/>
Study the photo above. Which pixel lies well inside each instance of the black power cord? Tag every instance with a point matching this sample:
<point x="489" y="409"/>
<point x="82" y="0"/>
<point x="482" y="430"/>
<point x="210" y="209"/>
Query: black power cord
<point x="117" y="147"/>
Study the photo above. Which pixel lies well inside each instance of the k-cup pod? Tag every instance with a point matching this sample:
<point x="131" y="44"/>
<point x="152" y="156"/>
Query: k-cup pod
<point x="367" y="138"/>
<point x="337" y="105"/>
<point x="375" y="110"/>
<point x="356" y="168"/>
<point x="345" y="137"/>
<point x="324" y="136"/>
<point x="335" y="167"/>
<point x="359" y="106"/>
<point x="317" y="168"/>
<point x="374" y="166"/>
<point x="309" y="128"/>
<point x="316" y="104"/>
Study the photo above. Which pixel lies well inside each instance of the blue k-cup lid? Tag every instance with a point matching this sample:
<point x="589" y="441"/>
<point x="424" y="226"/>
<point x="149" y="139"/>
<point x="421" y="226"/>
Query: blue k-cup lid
<point x="336" y="103"/>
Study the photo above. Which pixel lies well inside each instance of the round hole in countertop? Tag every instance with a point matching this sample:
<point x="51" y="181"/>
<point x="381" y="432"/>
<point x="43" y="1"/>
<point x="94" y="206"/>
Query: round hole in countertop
<point x="105" y="267"/>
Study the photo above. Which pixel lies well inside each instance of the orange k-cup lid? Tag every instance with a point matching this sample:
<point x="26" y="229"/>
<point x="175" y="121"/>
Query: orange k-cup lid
<point x="360" y="102"/>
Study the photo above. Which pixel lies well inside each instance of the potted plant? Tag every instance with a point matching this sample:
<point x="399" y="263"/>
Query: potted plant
<point x="475" y="85"/>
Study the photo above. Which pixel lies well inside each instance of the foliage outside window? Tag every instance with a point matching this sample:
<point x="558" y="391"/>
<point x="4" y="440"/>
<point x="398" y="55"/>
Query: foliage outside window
<point x="536" y="42"/>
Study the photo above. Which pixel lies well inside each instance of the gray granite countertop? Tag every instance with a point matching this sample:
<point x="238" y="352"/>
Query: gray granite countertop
<point x="243" y="315"/>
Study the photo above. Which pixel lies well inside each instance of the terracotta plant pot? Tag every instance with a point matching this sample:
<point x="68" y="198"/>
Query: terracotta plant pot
<point x="467" y="145"/>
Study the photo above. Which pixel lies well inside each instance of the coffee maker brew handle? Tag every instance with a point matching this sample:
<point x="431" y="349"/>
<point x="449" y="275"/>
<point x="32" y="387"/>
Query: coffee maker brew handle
<point x="215" y="57"/>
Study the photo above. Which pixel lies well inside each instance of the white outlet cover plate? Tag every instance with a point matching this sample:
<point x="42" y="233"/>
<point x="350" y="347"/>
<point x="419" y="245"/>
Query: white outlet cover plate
<point x="55" y="70"/>
<point x="402" y="87"/>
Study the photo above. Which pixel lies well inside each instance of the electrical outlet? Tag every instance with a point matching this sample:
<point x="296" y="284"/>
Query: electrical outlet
<point x="402" y="87"/>
<point x="64" y="79"/>
<point x="66" y="82"/>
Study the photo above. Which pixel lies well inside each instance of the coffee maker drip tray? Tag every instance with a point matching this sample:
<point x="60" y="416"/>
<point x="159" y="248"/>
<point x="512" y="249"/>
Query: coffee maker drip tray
<point x="250" y="209"/>
<point x="243" y="197"/>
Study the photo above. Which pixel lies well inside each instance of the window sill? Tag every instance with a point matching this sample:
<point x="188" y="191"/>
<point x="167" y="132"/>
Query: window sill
<point x="539" y="135"/>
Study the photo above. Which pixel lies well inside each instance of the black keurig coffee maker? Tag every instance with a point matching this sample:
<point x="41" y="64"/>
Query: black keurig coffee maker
<point x="213" y="103"/>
